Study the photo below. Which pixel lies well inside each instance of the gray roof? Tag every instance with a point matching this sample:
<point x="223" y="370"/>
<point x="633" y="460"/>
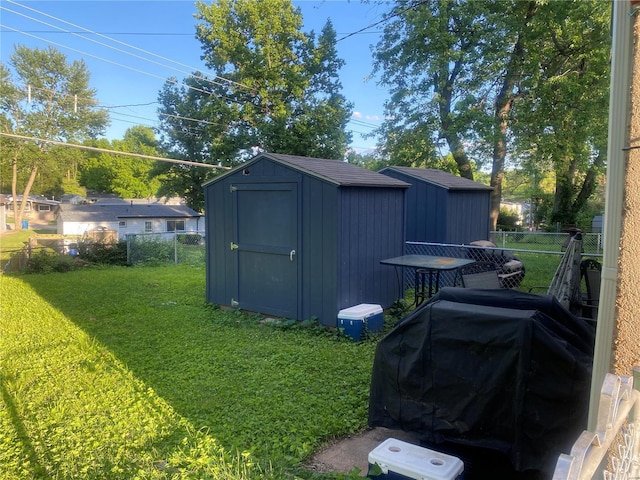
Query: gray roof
<point x="439" y="177"/>
<point x="333" y="171"/>
<point x="112" y="213"/>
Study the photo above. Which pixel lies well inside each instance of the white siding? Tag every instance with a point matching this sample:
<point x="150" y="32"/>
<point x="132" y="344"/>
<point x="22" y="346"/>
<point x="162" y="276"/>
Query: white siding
<point x="82" y="228"/>
<point x="133" y="226"/>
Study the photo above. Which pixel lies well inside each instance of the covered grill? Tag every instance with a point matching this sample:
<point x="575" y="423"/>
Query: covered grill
<point x="494" y="369"/>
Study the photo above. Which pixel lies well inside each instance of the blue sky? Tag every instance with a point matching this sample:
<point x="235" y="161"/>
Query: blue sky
<point x="157" y="41"/>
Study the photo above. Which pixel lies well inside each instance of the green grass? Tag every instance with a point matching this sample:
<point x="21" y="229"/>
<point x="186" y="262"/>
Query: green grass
<point x="14" y="239"/>
<point x="120" y="373"/>
<point x="128" y="373"/>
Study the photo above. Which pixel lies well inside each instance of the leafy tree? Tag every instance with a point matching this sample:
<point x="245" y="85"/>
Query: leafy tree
<point x="458" y="70"/>
<point x="96" y="171"/>
<point x="50" y="99"/>
<point x="128" y="177"/>
<point x="271" y="87"/>
<point x="561" y="124"/>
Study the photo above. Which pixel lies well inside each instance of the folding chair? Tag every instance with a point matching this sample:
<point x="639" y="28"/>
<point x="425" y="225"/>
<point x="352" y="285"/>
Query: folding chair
<point x="590" y="271"/>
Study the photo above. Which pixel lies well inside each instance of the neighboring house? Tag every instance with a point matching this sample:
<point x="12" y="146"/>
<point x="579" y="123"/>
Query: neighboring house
<point x="127" y="219"/>
<point x="38" y="207"/>
<point x="72" y="198"/>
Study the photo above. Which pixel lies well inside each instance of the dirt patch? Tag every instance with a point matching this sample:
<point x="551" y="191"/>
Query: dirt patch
<point x="344" y="455"/>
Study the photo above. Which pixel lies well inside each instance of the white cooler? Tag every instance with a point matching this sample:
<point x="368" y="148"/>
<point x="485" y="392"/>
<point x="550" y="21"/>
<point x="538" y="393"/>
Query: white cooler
<point x="355" y="320"/>
<point x="400" y="460"/>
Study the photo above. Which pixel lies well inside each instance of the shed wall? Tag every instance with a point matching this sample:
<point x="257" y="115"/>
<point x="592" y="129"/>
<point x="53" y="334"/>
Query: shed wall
<point x="319" y="250"/>
<point x="441" y="215"/>
<point x="467" y="216"/>
<point x="371" y="229"/>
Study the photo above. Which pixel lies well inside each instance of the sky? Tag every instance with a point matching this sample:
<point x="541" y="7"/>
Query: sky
<point x="131" y="47"/>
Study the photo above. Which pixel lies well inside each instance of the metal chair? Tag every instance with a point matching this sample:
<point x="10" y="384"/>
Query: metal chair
<point x="480" y="275"/>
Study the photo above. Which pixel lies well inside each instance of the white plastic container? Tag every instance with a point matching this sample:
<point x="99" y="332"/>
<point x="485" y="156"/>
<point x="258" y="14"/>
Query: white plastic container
<point x="401" y="460"/>
<point x="354" y="320"/>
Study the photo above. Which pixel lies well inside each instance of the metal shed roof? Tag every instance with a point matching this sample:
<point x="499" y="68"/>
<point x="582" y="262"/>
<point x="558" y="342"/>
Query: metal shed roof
<point x="441" y="178"/>
<point x="333" y="171"/>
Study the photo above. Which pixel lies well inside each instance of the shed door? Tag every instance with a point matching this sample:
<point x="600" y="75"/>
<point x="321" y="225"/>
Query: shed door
<point x="266" y="247"/>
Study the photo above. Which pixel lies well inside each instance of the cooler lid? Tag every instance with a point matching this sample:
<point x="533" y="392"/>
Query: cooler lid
<point x="414" y="461"/>
<point x="359" y="312"/>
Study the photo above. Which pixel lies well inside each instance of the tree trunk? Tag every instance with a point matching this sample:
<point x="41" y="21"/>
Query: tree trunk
<point x="504" y="102"/>
<point x="25" y="195"/>
<point x="17" y="217"/>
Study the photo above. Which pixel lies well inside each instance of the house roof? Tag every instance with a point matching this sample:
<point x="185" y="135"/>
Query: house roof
<point x="112" y="213"/>
<point x="439" y="177"/>
<point x="333" y="171"/>
<point x="35" y="199"/>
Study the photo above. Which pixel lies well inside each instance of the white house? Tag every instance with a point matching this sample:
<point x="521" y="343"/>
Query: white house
<point x="127" y="219"/>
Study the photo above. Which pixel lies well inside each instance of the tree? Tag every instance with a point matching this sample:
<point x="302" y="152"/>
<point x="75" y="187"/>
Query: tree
<point x="457" y="70"/>
<point x="125" y="176"/>
<point x="51" y="99"/>
<point x="271" y="87"/>
<point x="561" y="124"/>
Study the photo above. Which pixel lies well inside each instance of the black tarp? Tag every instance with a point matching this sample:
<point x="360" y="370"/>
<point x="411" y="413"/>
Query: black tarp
<point x="493" y="369"/>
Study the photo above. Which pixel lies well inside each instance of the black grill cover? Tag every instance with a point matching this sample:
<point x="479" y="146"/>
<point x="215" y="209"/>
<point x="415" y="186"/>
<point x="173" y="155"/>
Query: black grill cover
<point x="497" y="369"/>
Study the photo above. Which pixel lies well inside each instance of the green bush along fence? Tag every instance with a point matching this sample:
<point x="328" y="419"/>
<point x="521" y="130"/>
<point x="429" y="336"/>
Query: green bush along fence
<point x="43" y="255"/>
<point x="170" y="247"/>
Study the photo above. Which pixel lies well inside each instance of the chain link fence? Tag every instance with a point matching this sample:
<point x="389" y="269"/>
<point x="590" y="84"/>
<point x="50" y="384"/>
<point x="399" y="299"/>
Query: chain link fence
<point x="527" y="269"/>
<point x="510" y="268"/>
<point x="546" y="242"/>
<point x="62" y="253"/>
<point x="169" y="247"/>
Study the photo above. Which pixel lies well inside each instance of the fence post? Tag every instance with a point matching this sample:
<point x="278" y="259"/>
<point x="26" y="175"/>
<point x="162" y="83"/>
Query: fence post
<point x="128" y="249"/>
<point x="175" y="247"/>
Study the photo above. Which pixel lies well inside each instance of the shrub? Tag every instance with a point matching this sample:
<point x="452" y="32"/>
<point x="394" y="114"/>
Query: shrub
<point x="189" y="238"/>
<point x="152" y="251"/>
<point x="103" y="253"/>
<point x="47" y="261"/>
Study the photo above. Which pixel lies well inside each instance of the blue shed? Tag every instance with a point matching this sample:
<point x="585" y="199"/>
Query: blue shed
<point x="444" y="208"/>
<point x="300" y="237"/>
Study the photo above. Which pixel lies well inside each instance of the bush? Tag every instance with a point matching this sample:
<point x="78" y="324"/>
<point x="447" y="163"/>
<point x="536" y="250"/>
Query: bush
<point x="189" y="238"/>
<point x="152" y="251"/>
<point x="103" y="253"/>
<point x="47" y="261"/>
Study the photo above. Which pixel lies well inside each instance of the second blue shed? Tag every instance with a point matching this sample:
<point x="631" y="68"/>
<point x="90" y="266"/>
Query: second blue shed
<point x="444" y="208"/>
<point x="302" y="237"/>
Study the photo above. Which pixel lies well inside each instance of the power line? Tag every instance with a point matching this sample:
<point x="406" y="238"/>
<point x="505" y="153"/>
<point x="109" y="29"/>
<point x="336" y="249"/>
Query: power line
<point x="137" y="34"/>
<point x="88" y="31"/>
<point x="113" y="152"/>
<point x="123" y="43"/>
<point x="107" y="107"/>
<point x="385" y="19"/>
<point x="189" y="87"/>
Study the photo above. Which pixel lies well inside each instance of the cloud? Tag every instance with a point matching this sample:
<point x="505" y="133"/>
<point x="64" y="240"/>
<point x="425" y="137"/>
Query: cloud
<point x="361" y="116"/>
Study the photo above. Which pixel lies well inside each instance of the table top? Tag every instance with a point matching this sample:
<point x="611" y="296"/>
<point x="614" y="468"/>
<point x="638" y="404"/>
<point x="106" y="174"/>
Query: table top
<point x="427" y="261"/>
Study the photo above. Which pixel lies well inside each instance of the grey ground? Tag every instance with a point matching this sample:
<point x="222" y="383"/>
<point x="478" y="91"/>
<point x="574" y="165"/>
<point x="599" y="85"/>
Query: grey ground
<point x="344" y="455"/>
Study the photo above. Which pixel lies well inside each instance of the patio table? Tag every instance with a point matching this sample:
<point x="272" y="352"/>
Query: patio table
<point x="425" y="265"/>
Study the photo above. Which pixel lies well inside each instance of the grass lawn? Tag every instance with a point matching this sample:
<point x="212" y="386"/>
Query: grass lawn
<point x="128" y="373"/>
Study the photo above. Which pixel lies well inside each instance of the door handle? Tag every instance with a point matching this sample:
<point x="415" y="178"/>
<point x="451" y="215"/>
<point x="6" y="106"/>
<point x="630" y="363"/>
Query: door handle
<point x="291" y="254"/>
